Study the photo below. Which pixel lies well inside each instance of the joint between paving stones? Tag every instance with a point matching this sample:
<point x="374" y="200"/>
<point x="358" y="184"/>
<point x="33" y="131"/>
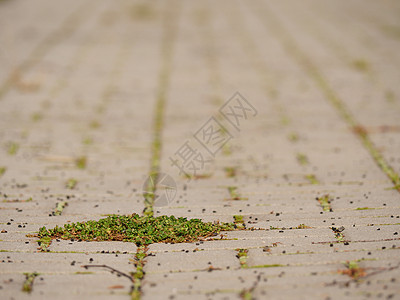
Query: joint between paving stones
<point x="163" y="85"/>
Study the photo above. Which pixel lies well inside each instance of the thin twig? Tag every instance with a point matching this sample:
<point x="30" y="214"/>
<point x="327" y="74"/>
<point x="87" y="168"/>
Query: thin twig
<point x="111" y="269"/>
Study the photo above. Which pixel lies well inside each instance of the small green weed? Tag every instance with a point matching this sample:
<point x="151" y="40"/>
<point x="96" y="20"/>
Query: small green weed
<point x="28" y="283"/>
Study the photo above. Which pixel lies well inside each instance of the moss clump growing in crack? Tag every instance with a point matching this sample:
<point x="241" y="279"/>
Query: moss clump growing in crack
<point x="141" y="230"/>
<point x="59" y="208"/>
<point x="338" y="233"/>
<point x="312" y="178"/>
<point x="12" y="148"/>
<point x="197" y="176"/>
<point x="234" y="195"/>
<point x="353" y="270"/>
<point x="226" y="150"/>
<point x="302" y="159"/>
<point x="293" y="137"/>
<point x="242" y="256"/>
<point x="28" y="283"/>
<point x="71" y="183"/>
<point x="361" y="65"/>
<point x="44" y="243"/>
<point x="2" y="171"/>
<point x="137" y="276"/>
<point x="81" y="162"/>
<point x="239" y="222"/>
<point x="325" y="202"/>
<point x="230" y="172"/>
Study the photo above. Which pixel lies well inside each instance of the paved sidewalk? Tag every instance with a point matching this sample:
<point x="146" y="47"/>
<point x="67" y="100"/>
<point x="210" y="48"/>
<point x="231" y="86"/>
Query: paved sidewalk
<point x="97" y="95"/>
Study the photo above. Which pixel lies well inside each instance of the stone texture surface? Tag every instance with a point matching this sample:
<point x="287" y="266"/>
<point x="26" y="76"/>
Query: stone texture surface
<point x="82" y="80"/>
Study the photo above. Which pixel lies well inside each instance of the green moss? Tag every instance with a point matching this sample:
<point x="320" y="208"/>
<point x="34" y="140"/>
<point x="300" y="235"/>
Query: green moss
<point x="81" y="162"/>
<point x="312" y="179"/>
<point x="353" y="270"/>
<point x="360" y="65"/>
<point x="234" y="195"/>
<point x="198" y="176"/>
<point x="71" y="183"/>
<point x="246" y="294"/>
<point x="37" y="116"/>
<point x="390" y="96"/>
<point x="242" y="256"/>
<point x="293" y="137"/>
<point x="94" y="124"/>
<point x="44" y="243"/>
<point x="268" y="266"/>
<point x="141" y="230"/>
<point x="338" y="233"/>
<point x="230" y="171"/>
<point x="87" y="141"/>
<point x="141" y="11"/>
<point x="303" y="226"/>
<point x="2" y="170"/>
<point x="239" y="222"/>
<point x="12" y="148"/>
<point x="363" y="208"/>
<point x="302" y="159"/>
<point x="28" y="283"/>
<point x="59" y="208"/>
<point x="325" y="202"/>
<point x="137" y="276"/>
<point x="17" y="200"/>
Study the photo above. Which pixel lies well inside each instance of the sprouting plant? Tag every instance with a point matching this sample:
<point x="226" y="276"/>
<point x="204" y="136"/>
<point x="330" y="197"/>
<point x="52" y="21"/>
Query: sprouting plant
<point x="325" y="202"/>
<point x="230" y="171"/>
<point x="353" y="270"/>
<point x="312" y="178"/>
<point x="28" y="283"/>
<point x="12" y="148"/>
<point x="2" y="170"/>
<point x="242" y="256"/>
<point x="71" y="183"/>
<point x="81" y="162"/>
<point x="302" y="159"/>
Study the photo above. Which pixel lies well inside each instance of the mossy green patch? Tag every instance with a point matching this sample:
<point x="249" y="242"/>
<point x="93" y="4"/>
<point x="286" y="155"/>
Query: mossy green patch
<point x="242" y="256"/>
<point x="71" y="183"/>
<point x="353" y="270"/>
<point x="17" y="200"/>
<point x="81" y="162"/>
<point x="293" y="137"/>
<point x="12" y="148"/>
<point x="325" y="202"/>
<point x="28" y="283"/>
<point x="239" y="222"/>
<point x="44" y="243"/>
<point x="59" y="208"/>
<point x="141" y="230"/>
<point x="364" y="208"/>
<point x="37" y="116"/>
<point x="302" y="159"/>
<point x="267" y="266"/>
<point x="234" y="195"/>
<point x="230" y="171"/>
<point x="361" y="65"/>
<point x="312" y="178"/>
